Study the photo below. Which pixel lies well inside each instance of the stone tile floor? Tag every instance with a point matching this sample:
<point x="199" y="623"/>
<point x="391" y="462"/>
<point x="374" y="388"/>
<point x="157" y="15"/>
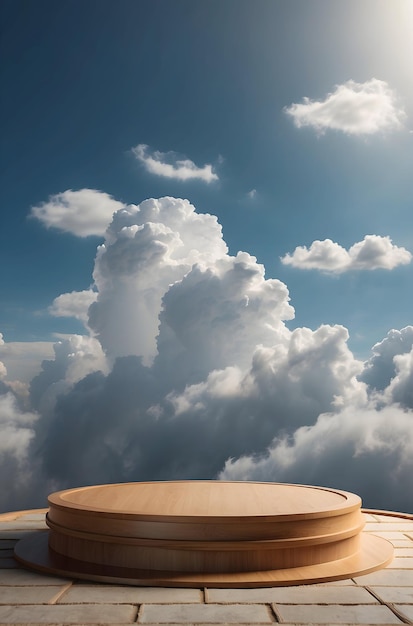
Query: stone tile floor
<point x="383" y="597"/>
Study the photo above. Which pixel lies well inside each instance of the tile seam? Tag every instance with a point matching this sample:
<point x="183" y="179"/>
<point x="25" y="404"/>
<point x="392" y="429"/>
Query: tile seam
<point x="276" y="613"/>
<point x="271" y="613"/>
<point x="141" y="613"/>
<point x="390" y="606"/>
<point x="60" y="593"/>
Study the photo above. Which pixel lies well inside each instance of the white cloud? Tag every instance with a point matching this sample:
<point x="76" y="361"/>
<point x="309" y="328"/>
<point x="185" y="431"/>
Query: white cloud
<point x="380" y="369"/>
<point x="366" y="445"/>
<point x="3" y="369"/>
<point x="282" y="385"/>
<point x="192" y="364"/>
<point x="252" y="193"/>
<point x="201" y="310"/>
<point x="148" y="248"/>
<point x="363" y="450"/>
<point x="16" y="434"/>
<point x="74" y="358"/>
<point x="167" y="164"/>
<point x="354" y="108"/>
<point x="23" y="358"/>
<point x="74" y="304"/>
<point x="15" y="427"/>
<point x="82" y="213"/>
<point x="400" y="389"/>
<point x="374" y="252"/>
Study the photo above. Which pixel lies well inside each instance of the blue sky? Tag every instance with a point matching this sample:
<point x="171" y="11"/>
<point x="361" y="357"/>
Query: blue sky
<point x="294" y="120"/>
<point x="85" y="82"/>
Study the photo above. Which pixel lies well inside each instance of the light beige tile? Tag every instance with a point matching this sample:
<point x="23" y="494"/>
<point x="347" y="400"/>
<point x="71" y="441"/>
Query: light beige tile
<point x="390" y="535"/>
<point x="208" y="613"/>
<point x="407" y="610"/>
<point x="28" y="595"/>
<point x="114" y="594"/>
<point x="401" y="562"/>
<point x="391" y="577"/>
<point x="394" y="594"/>
<point x="334" y="614"/>
<point x="404" y="551"/>
<point x="69" y="614"/>
<point x="310" y="594"/>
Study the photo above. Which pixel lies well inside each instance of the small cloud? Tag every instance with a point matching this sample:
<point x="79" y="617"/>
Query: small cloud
<point x="167" y="164"/>
<point x="74" y="304"/>
<point x="22" y="359"/>
<point x="82" y="213"/>
<point x="354" y="108"/>
<point x="251" y="194"/>
<point x="373" y="253"/>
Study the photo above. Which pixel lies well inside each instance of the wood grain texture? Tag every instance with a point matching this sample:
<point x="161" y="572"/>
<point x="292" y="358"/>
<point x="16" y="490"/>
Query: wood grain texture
<point x="203" y="500"/>
<point x="374" y="553"/>
<point x="210" y="528"/>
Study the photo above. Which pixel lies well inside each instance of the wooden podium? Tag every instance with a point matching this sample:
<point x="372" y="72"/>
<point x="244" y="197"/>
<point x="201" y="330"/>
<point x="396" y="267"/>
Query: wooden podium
<point x="205" y="533"/>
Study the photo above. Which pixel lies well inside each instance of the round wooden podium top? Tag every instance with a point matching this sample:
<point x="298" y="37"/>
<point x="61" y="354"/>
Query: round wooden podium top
<point x="206" y="500"/>
<point x="215" y="533"/>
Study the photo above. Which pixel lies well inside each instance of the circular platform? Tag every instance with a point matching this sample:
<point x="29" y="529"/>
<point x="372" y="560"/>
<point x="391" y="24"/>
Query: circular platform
<point x="188" y="533"/>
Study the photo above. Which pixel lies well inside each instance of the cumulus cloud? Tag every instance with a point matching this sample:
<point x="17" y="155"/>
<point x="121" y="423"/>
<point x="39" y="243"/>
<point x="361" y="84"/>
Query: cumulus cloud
<point x="191" y="372"/>
<point x="400" y="389"/>
<point x="74" y="358"/>
<point x="353" y="108"/>
<point x="16" y="434"/>
<point x="16" y="427"/>
<point x="82" y="213"/>
<point x="372" y="253"/>
<point x="168" y="165"/>
<point x="74" y="304"/>
<point x="140" y="423"/>
<point x="147" y="249"/>
<point x="380" y="368"/>
<point x="22" y="359"/>
<point x="362" y="450"/>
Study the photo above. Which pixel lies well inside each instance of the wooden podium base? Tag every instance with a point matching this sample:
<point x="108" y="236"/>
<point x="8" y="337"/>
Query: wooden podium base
<point x="205" y="533"/>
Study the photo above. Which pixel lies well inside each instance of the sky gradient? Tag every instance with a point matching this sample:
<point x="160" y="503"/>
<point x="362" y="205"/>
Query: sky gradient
<point x="206" y="244"/>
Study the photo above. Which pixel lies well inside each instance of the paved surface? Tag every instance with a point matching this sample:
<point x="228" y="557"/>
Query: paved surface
<point x="384" y="597"/>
